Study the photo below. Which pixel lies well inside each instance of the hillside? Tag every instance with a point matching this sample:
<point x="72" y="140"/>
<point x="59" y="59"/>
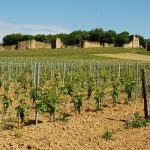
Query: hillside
<point x="70" y="54"/>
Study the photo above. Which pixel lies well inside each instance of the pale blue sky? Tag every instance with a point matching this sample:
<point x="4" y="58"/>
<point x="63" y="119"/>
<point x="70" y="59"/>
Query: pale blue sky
<point x="56" y="16"/>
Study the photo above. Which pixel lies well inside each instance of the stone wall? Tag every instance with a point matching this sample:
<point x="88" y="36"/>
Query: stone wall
<point x="24" y="45"/>
<point x="88" y="44"/>
<point x="10" y="47"/>
<point x="135" y="43"/>
<point x="106" y="45"/>
<point x="59" y="43"/>
<point x="43" y="45"/>
<point x="1" y="48"/>
<point x="73" y="46"/>
<point x="111" y="45"/>
<point x="129" y="45"/>
<point x="33" y="45"/>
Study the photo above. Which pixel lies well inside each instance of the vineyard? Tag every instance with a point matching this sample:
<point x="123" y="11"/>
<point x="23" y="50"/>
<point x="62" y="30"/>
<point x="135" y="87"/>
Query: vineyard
<point x="32" y="93"/>
<point x="74" y="75"/>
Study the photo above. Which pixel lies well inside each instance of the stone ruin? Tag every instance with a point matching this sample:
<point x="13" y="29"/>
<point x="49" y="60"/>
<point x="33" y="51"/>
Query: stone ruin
<point x="1" y="47"/>
<point x="8" y="47"/>
<point x="58" y="44"/>
<point x="134" y="43"/>
<point x="89" y="44"/>
<point x="33" y="44"/>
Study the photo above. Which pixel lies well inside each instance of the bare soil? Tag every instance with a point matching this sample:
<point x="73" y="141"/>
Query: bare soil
<point x="127" y="56"/>
<point x="81" y="132"/>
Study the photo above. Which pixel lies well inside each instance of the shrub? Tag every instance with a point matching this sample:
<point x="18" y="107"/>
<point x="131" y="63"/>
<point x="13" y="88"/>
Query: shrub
<point x="18" y="134"/>
<point x="107" y="135"/>
<point x="63" y="118"/>
<point x="137" y="122"/>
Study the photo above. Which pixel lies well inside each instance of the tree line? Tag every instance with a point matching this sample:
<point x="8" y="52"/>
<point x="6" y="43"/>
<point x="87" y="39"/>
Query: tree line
<point x="75" y="37"/>
<point x="147" y="41"/>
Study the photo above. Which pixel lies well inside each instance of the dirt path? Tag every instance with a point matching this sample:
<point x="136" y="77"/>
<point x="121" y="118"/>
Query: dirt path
<point x="127" y="56"/>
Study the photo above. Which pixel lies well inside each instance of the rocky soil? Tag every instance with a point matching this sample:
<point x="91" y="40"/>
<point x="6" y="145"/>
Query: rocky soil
<point x="81" y="132"/>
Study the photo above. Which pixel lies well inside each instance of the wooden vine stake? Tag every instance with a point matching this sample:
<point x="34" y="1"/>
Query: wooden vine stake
<point x="19" y="124"/>
<point x="144" y="86"/>
<point x="36" y="86"/>
<point x="136" y="91"/>
<point x="64" y="73"/>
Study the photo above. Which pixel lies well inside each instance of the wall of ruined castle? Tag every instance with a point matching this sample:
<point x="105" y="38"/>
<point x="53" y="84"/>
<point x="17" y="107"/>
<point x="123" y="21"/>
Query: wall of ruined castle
<point x="10" y="47"/>
<point x="1" y="48"/>
<point x="42" y="45"/>
<point x="111" y="45"/>
<point x="24" y="45"/>
<point x="89" y="44"/>
<point x="135" y="43"/>
<point x="73" y="46"/>
<point x="33" y="45"/>
<point x="27" y="45"/>
<point x="59" y="43"/>
<point x="106" y="45"/>
<point x="129" y="45"/>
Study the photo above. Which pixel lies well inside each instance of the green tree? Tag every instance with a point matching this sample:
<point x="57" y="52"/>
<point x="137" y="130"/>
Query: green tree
<point x="122" y="38"/>
<point x="27" y="37"/>
<point x="142" y="40"/>
<point x="75" y="38"/>
<point x="12" y="39"/>
<point x="110" y="37"/>
<point x="97" y="35"/>
<point x="85" y="35"/>
<point x="50" y="38"/>
<point x="147" y="42"/>
<point x="42" y="38"/>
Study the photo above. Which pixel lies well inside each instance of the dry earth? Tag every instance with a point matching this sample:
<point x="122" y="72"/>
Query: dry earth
<point x="83" y="132"/>
<point x="127" y="56"/>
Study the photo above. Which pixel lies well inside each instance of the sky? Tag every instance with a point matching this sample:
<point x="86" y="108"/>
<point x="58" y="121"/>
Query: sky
<point x="65" y="16"/>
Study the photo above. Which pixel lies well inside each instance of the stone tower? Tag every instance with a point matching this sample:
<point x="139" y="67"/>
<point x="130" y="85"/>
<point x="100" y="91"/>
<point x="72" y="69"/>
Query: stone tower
<point x="59" y="43"/>
<point x="135" y="42"/>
